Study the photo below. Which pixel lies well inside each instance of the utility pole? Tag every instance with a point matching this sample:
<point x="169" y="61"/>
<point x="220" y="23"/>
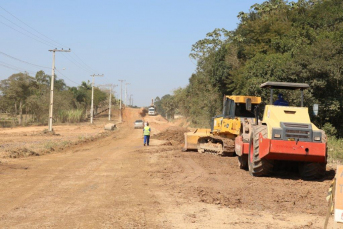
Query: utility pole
<point x="110" y="103"/>
<point x="112" y="86"/>
<point x="92" y="111"/>
<point x="126" y="93"/>
<point x="52" y="85"/>
<point x="121" y="95"/>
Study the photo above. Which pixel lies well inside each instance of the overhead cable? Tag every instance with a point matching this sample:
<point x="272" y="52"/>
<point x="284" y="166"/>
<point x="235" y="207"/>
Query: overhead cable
<point x="25" y="34"/>
<point x="23" y="61"/>
<point x="30" y="26"/>
<point x="15" y="68"/>
<point x="51" y="42"/>
<point x="70" y="58"/>
<point x="66" y="77"/>
<point x="84" y="62"/>
<point x="48" y="42"/>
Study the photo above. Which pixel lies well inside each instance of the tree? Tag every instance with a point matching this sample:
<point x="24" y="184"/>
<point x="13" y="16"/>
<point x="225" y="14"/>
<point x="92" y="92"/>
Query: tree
<point x="275" y="41"/>
<point x="17" y="88"/>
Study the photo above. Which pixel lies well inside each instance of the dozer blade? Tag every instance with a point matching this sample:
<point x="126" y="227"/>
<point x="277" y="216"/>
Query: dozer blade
<point x="222" y="146"/>
<point x="191" y="138"/>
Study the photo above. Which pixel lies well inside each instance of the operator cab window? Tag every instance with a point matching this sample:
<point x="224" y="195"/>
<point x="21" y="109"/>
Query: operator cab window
<point x="242" y="112"/>
<point x="229" y="108"/>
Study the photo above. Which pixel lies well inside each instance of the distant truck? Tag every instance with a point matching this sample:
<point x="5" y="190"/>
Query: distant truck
<point x="152" y="109"/>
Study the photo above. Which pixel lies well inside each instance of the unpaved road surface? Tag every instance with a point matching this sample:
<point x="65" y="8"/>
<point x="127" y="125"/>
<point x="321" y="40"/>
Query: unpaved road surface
<point x="116" y="182"/>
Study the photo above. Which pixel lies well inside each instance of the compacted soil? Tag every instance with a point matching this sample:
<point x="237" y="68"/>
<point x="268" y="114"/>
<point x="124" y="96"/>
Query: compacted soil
<point x="113" y="181"/>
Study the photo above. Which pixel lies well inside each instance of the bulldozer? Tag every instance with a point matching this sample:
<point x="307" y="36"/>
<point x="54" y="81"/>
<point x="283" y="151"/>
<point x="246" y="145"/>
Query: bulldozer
<point x="236" y="120"/>
<point x="286" y="133"/>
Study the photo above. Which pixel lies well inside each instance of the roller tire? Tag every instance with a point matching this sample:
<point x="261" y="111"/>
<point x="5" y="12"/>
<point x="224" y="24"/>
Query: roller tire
<point x="258" y="167"/>
<point x="313" y="170"/>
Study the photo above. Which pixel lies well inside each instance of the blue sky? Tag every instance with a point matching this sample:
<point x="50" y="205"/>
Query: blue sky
<point x="145" y="42"/>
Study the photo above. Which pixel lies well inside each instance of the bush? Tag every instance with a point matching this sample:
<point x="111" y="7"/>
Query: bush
<point x="70" y="116"/>
<point x="335" y="149"/>
<point x="74" y="115"/>
<point x="329" y="129"/>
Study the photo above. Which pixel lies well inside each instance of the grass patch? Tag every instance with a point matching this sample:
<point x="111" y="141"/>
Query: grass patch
<point x="335" y="149"/>
<point x="70" y="116"/>
<point x="50" y="145"/>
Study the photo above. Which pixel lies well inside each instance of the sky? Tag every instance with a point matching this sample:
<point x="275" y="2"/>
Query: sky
<point x="144" y="42"/>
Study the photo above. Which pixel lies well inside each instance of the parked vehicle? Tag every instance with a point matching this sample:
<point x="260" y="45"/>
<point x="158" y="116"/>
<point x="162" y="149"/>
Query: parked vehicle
<point x="139" y="124"/>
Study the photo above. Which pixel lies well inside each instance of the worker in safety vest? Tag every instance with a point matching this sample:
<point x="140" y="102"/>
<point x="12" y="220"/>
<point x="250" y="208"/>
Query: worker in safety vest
<point x="146" y="133"/>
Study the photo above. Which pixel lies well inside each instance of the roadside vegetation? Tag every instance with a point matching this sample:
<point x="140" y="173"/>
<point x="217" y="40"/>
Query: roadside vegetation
<point x="335" y="150"/>
<point x="25" y="99"/>
<point x="277" y="40"/>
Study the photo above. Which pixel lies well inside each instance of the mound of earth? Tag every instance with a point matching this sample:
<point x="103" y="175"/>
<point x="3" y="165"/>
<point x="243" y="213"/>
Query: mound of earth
<point x="173" y="133"/>
<point x="143" y="111"/>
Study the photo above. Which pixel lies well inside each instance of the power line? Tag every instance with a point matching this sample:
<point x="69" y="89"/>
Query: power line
<point x="79" y="63"/>
<point x="25" y="34"/>
<point x="15" y="68"/>
<point x="32" y="73"/>
<point x="84" y="63"/>
<point x="28" y="31"/>
<point x="66" y="77"/>
<point x="23" y="61"/>
<point x="51" y="42"/>
<point x="70" y="58"/>
<point x="20" y="69"/>
<point x="29" y="26"/>
<point x="45" y="44"/>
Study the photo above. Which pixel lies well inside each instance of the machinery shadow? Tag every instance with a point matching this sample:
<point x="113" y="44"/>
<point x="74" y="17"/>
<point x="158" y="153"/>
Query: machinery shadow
<point x="289" y="170"/>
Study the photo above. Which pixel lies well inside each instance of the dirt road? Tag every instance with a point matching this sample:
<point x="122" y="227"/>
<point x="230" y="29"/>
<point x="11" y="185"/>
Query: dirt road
<point x="116" y="182"/>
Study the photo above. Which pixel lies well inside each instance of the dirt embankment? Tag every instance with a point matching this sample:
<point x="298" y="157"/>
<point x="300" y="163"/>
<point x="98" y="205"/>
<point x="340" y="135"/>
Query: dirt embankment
<point x="173" y="134"/>
<point x="36" y="140"/>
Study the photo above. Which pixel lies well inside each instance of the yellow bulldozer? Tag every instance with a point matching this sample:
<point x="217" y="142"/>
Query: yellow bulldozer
<point x="236" y="120"/>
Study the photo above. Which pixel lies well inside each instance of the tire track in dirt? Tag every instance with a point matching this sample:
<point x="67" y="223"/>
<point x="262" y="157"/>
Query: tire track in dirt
<point x="197" y="183"/>
<point x="100" y="186"/>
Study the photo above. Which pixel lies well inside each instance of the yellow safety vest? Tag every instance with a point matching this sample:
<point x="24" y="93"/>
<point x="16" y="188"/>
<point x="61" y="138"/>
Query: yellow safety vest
<point x="146" y="130"/>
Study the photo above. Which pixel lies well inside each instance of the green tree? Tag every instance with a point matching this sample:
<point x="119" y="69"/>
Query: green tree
<point x="275" y="41"/>
<point x="17" y="88"/>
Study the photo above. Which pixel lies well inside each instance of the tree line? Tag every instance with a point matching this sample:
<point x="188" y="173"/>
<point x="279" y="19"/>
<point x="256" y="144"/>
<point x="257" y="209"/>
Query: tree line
<point x="277" y="40"/>
<point x="26" y="96"/>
